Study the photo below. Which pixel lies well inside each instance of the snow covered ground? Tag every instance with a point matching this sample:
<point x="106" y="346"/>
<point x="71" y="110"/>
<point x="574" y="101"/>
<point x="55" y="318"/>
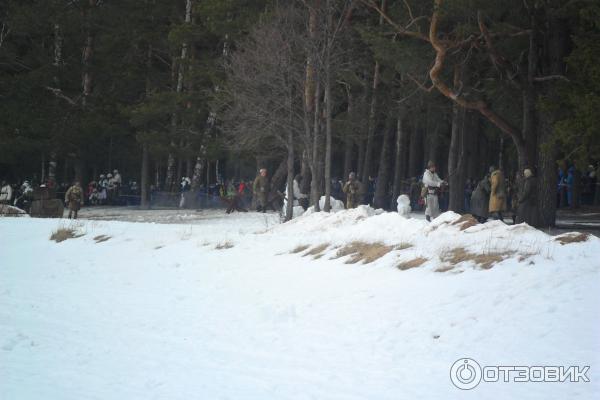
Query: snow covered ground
<point x="212" y="306"/>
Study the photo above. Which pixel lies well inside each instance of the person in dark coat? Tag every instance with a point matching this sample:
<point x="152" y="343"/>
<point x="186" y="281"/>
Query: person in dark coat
<point x="480" y="200"/>
<point x="526" y="211"/>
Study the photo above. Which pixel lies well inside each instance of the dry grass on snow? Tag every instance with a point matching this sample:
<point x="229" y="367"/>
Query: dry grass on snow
<point x="317" y="251"/>
<point x="572" y="238"/>
<point x="465" y="221"/>
<point x="482" y="260"/>
<point x="363" y="251"/>
<point x="224" y="245"/>
<point x="299" y="249"/>
<point x="414" y="263"/>
<point x="62" y="234"/>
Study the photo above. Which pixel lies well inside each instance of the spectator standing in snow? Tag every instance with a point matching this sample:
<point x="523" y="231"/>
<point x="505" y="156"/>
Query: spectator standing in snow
<point x="497" y="194"/>
<point x="261" y="189"/>
<point x="352" y="189"/>
<point x="526" y="211"/>
<point x="102" y="189"/>
<point x="469" y="187"/>
<point x="74" y="199"/>
<point x="117" y="178"/>
<point x="480" y="200"/>
<point x="6" y="193"/>
<point x="184" y="188"/>
<point x="432" y="183"/>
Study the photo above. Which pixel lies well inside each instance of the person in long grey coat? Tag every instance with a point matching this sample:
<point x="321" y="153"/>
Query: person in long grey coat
<point x="480" y="200"/>
<point x="526" y="211"/>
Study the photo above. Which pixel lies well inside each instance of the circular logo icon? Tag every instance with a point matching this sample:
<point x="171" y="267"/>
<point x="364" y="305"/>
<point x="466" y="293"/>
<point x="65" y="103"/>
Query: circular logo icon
<point x="465" y="373"/>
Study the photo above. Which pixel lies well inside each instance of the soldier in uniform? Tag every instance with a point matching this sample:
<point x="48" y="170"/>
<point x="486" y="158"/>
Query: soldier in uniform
<point x="432" y="184"/>
<point x="74" y="199"/>
<point x="352" y="191"/>
<point x="261" y="188"/>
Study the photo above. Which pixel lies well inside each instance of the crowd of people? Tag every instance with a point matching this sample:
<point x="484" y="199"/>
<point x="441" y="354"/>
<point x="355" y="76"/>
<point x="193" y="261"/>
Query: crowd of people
<point x="493" y="196"/>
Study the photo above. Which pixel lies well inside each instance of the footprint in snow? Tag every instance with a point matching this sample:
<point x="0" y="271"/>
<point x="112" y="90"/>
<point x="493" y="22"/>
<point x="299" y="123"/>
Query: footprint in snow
<point x="13" y="342"/>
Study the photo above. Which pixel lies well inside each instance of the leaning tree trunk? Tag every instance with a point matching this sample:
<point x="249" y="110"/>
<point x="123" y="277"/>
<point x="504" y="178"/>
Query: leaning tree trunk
<point x="456" y="166"/>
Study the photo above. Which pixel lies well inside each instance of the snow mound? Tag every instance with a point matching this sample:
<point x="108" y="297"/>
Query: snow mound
<point x="12" y="211"/>
<point x="449" y="242"/>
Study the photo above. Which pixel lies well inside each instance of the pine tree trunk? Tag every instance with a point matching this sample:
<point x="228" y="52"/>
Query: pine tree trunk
<point x="328" y="110"/>
<point x="456" y="167"/>
<point x="290" y="176"/>
<point x="383" y="173"/>
<point x="366" y="169"/>
<point x="372" y="122"/>
<point x="415" y="159"/>
<point x="399" y="160"/>
<point x="171" y="164"/>
<point x="144" y="181"/>
<point x="315" y="184"/>
<point x="348" y="142"/>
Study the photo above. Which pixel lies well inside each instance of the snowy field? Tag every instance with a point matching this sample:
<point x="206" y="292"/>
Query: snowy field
<point x="352" y="305"/>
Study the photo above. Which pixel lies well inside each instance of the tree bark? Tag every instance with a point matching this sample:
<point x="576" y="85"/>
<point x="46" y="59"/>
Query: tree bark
<point x="348" y="142"/>
<point x="144" y="181"/>
<point x="383" y="173"/>
<point x="372" y="122"/>
<point x="171" y="164"/>
<point x="399" y="161"/>
<point x="415" y="160"/>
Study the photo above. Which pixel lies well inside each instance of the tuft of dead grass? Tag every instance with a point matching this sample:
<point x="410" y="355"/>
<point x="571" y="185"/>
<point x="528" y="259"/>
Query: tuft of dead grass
<point x="572" y="238"/>
<point x="224" y="245"/>
<point x="465" y="221"/>
<point x="403" y="246"/>
<point x="62" y="234"/>
<point x="299" y="249"/>
<point x="483" y="260"/>
<point x="414" y="263"/>
<point x="365" y="252"/>
<point x="317" y="251"/>
<point x="101" y="238"/>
